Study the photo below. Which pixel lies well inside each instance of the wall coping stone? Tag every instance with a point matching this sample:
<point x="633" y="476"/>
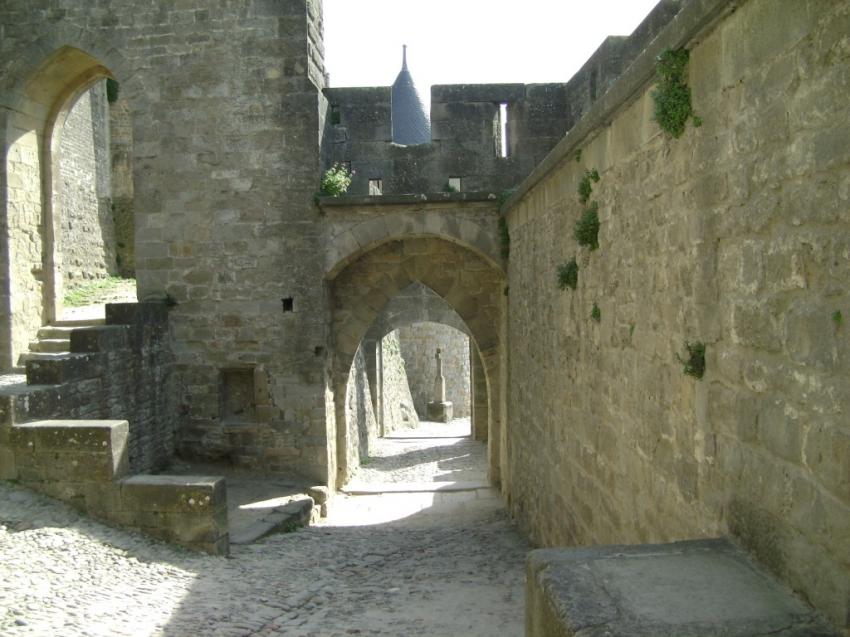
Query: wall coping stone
<point x="348" y="201"/>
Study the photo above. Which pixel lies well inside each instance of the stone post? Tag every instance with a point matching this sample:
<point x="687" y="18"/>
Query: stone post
<point x="439" y="409"/>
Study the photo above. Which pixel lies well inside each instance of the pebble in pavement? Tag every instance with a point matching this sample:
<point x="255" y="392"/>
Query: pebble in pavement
<point x="455" y="573"/>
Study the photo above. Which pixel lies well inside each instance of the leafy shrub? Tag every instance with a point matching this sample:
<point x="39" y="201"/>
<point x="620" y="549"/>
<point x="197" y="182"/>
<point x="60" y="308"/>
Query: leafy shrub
<point x="586" y="229"/>
<point x="336" y="180"/>
<point x="584" y="185"/>
<point x="568" y="275"/>
<point x="695" y="362"/>
<point x="672" y="95"/>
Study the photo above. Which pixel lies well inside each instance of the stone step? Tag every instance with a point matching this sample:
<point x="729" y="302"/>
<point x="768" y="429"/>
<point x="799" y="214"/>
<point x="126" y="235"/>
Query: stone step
<point x="52" y="345"/>
<point x="78" y="322"/>
<point x="55" y="331"/>
<point x="366" y="488"/>
<point x="246" y="528"/>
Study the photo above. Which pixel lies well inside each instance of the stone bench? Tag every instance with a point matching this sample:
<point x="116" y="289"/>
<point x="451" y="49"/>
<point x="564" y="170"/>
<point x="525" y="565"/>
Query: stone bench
<point x="697" y="588"/>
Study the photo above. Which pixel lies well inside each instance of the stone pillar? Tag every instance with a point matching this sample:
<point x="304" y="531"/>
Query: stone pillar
<point x="439" y="409"/>
<point x="478" y="400"/>
<point x="372" y="354"/>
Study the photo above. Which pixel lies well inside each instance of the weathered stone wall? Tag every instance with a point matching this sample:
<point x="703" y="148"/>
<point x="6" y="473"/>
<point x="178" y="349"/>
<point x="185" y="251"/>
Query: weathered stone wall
<point x="399" y="412"/>
<point x="121" y="146"/>
<point x="225" y="163"/>
<point x="419" y="342"/>
<point x="360" y="413"/>
<point x="735" y="235"/>
<point x="86" y="238"/>
<point x="466" y="133"/>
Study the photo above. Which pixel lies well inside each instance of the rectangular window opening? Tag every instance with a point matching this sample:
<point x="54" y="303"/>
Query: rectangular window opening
<point x="288" y="304"/>
<point x="455" y="184"/>
<point x="503" y="129"/>
<point x="376" y="186"/>
<point x="336" y="118"/>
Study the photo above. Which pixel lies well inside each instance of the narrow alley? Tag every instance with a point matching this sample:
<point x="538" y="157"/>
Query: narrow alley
<point x="418" y="545"/>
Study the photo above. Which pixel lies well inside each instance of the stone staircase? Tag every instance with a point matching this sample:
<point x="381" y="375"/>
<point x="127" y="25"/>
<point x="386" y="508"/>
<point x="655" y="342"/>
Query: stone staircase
<point x="54" y="340"/>
<point x="59" y="433"/>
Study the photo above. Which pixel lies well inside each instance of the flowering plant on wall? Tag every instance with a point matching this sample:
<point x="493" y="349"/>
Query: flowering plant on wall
<point x="336" y="180"/>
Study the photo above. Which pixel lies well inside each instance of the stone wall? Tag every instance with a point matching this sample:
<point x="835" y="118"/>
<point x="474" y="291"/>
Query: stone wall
<point x="734" y="235"/>
<point x="399" y="412"/>
<point x="466" y="134"/>
<point x="87" y="233"/>
<point x="419" y="343"/>
<point x="360" y="413"/>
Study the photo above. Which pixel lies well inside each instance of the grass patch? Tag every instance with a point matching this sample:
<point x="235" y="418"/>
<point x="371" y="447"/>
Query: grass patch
<point x="100" y="291"/>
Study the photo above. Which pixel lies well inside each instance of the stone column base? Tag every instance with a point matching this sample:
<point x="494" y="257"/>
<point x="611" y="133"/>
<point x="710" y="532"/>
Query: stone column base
<point x="439" y="411"/>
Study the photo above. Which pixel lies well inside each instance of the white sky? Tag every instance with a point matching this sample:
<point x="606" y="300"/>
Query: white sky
<point x="469" y="41"/>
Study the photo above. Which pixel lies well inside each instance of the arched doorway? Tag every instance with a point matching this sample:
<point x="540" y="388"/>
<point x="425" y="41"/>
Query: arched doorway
<point x="37" y="184"/>
<point x="468" y="283"/>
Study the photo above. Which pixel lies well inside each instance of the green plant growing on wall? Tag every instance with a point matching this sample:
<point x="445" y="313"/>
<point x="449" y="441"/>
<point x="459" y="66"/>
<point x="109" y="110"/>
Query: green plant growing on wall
<point x="596" y="313"/>
<point x="585" y="187"/>
<point x="837" y="318"/>
<point x="504" y="237"/>
<point x="568" y="275"/>
<point x="112" y="89"/>
<point x="506" y="194"/>
<point x="672" y="95"/>
<point x="695" y="362"/>
<point x="336" y="180"/>
<point x="578" y="156"/>
<point x="586" y="229"/>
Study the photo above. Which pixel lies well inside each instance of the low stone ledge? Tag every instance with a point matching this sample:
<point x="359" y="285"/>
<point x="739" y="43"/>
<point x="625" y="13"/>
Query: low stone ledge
<point x="187" y="510"/>
<point x="693" y="588"/>
<point x="174" y="493"/>
<point x="71" y="450"/>
<point x="102" y="338"/>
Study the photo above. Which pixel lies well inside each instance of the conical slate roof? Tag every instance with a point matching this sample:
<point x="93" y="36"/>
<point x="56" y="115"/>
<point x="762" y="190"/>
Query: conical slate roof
<point x="410" y="123"/>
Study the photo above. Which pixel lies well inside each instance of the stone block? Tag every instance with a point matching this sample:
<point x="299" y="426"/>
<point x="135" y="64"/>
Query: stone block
<point x="146" y="313"/>
<point x="75" y="450"/>
<point x="697" y="587"/>
<point x="165" y="493"/>
<point x="440" y="411"/>
<point x="62" y="370"/>
<point x="102" y="338"/>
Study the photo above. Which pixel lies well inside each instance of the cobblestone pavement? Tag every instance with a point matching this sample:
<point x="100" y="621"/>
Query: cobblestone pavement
<point x="434" y="452"/>
<point x="421" y="564"/>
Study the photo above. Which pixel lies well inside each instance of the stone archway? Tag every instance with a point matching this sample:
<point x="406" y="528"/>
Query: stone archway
<point x="469" y="284"/>
<point x="37" y="101"/>
<point x="419" y="304"/>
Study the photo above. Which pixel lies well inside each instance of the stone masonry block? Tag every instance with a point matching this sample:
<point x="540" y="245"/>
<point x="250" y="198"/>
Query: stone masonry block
<point x="61" y="370"/>
<point x="174" y="493"/>
<point x="148" y="313"/>
<point x="99" y="339"/>
<point x="73" y="450"/>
